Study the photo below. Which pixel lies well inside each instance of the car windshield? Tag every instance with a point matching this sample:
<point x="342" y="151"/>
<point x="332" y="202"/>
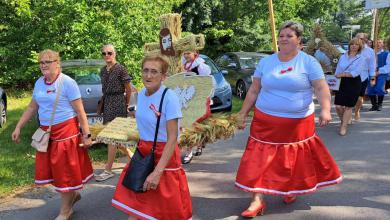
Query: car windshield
<point x="249" y="62"/>
<point x="84" y="75"/>
<point x="210" y="63"/>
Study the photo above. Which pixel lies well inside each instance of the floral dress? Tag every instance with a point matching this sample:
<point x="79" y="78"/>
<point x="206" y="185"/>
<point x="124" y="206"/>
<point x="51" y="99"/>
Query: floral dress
<point x="113" y="88"/>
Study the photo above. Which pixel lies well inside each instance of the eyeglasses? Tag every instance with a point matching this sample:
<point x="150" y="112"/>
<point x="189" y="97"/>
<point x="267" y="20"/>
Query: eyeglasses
<point x="107" y="53"/>
<point x="46" y="62"/>
<point x="153" y="72"/>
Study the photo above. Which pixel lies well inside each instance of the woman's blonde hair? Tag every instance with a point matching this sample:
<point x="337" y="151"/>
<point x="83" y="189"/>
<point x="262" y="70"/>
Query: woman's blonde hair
<point x="158" y="58"/>
<point x="53" y="55"/>
<point x="356" y="41"/>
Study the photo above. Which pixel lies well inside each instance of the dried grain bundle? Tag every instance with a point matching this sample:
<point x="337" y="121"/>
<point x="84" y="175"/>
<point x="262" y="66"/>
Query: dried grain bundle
<point x="319" y="42"/>
<point x="219" y="126"/>
<point x="121" y="131"/>
<point x="190" y="43"/>
<point x="148" y="47"/>
<point x="173" y="23"/>
<point x="96" y="129"/>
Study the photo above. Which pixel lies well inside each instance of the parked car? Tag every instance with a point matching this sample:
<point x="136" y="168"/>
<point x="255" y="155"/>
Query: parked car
<point x="3" y="107"/>
<point x="341" y="49"/>
<point x="239" y="68"/>
<point x="87" y="75"/>
<point x="222" y="99"/>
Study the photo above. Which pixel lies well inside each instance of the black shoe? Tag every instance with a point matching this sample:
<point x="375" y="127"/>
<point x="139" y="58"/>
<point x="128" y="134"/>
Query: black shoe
<point x="379" y="108"/>
<point x="198" y="151"/>
<point x="373" y="108"/>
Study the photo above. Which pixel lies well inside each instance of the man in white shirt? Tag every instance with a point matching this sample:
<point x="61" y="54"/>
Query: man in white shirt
<point x="368" y="72"/>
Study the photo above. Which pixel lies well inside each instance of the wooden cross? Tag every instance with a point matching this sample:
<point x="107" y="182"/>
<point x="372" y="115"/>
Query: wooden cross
<point x="192" y="42"/>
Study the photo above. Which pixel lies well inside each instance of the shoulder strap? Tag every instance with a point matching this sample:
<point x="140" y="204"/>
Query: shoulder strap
<point x="346" y="68"/>
<point x="56" y="102"/>
<point x="158" y="120"/>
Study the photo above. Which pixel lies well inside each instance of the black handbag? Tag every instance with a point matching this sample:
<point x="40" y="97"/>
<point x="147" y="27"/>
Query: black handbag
<point x="141" y="166"/>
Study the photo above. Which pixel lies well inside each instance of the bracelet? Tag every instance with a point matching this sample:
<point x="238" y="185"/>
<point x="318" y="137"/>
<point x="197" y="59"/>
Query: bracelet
<point x="89" y="135"/>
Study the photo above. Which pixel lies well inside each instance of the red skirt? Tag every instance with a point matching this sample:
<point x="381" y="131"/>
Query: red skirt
<point x="171" y="199"/>
<point x="65" y="165"/>
<point x="284" y="156"/>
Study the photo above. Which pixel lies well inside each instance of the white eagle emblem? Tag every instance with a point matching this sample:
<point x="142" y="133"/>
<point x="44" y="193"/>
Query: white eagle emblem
<point x="185" y="95"/>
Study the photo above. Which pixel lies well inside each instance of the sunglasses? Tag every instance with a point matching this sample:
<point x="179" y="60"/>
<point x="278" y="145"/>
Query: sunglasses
<point x="107" y="54"/>
<point x="46" y="62"/>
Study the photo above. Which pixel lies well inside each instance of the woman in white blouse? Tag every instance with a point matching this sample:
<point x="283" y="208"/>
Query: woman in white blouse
<point x="348" y="69"/>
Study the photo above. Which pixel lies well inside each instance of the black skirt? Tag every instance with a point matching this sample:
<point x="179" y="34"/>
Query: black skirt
<point x="349" y="91"/>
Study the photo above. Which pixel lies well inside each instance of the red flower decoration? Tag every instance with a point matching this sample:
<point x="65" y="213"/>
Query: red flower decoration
<point x="154" y="109"/>
<point x="289" y="69"/>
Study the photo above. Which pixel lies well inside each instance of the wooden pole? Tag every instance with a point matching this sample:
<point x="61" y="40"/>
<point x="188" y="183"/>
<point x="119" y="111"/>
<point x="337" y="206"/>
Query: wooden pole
<point x="272" y="21"/>
<point x="376" y="30"/>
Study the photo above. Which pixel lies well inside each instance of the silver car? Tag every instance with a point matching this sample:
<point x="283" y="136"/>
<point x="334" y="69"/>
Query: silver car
<point x="87" y="75"/>
<point x="222" y="99"/>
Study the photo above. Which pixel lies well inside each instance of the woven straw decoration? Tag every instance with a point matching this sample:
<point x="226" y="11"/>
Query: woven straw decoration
<point x="120" y="131"/>
<point x="197" y="104"/>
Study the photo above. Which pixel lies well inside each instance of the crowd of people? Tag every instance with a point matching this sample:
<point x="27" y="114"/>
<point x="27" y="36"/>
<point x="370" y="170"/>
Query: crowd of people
<point x="283" y="156"/>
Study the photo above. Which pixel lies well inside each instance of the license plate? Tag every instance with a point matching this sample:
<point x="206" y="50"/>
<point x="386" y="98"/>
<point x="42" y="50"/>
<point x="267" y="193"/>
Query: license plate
<point x="95" y="119"/>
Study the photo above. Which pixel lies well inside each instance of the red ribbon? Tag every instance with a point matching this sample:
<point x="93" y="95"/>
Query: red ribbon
<point x="286" y="70"/>
<point x="154" y="109"/>
<point x="49" y="91"/>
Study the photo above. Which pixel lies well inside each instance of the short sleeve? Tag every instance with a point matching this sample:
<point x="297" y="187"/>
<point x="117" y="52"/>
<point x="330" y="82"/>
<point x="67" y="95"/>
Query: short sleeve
<point x="35" y="90"/>
<point x="314" y="69"/>
<point x="172" y="106"/>
<point x="124" y="75"/>
<point x="34" y="94"/>
<point x="259" y="69"/>
<point x="71" y="89"/>
<point x="204" y="69"/>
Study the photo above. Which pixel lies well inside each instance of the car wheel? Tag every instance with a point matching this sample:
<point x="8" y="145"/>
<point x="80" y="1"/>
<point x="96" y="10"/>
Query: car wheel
<point x="241" y="90"/>
<point x="3" y="113"/>
<point x="228" y="109"/>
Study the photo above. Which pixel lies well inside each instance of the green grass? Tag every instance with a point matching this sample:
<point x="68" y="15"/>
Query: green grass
<point x="17" y="160"/>
<point x="237" y="103"/>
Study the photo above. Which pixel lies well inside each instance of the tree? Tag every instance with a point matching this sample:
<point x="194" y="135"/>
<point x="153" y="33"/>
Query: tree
<point x="75" y="28"/>
<point x="243" y="25"/>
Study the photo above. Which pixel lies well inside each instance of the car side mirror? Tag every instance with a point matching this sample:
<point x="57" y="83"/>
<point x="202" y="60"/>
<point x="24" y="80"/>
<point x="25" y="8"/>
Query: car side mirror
<point x="224" y="72"/>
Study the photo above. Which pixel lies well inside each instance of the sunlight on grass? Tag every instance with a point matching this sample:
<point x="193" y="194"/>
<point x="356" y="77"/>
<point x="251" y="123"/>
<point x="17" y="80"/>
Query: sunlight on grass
<point x="237" y="103"/>
<point x="17" y="160"/>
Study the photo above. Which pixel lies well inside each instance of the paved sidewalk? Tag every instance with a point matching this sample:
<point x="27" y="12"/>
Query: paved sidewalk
<point x="363" y="156"/>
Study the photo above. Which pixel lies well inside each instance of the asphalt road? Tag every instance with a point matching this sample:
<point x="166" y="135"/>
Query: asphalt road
<point x="363" y="157"/>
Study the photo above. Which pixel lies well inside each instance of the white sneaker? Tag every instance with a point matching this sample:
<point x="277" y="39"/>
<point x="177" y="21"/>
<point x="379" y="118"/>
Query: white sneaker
<point x="187" y="158"/>
<point x="105" y="175"/>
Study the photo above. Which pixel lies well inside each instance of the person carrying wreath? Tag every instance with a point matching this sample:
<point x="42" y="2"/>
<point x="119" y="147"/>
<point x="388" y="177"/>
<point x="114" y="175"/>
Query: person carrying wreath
<point x="192" y="62"/>
<point x="284" y="156"/>
<point x="166" y="195"/>
<point x="65" y="165"/>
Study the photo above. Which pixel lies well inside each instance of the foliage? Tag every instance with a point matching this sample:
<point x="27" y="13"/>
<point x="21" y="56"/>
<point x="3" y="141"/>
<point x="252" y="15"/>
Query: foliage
<point x="353" y="13"/>
<point x="232" y="25"/>
<point x="76" y="28"/>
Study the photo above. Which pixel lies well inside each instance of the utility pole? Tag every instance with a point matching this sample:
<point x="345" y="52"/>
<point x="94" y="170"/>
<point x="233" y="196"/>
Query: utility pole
<point x="272" y="22"/>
